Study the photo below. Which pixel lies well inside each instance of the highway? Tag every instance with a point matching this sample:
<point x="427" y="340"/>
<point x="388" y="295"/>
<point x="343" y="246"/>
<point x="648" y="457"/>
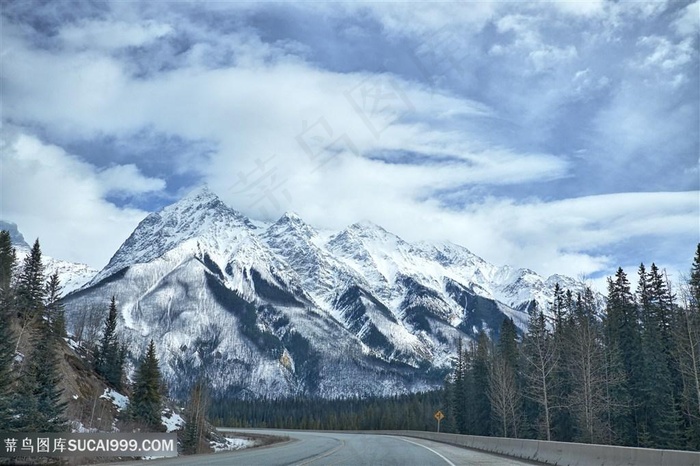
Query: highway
<point x="307" y="448"/>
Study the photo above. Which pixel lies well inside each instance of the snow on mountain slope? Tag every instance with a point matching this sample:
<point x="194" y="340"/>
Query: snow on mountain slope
<point x="281" y="309"/>
<point x="200" y="211"/>
<point x="72" y="275"/>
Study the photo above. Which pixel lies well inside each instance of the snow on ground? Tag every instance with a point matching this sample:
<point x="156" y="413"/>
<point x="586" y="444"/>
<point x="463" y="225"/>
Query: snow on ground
<point x="231" y="443"/>
<point x="172" y="421"/>
<point x="118" y="400"/>
<point x="78" y="427"/>
<point x="72" y="343"/>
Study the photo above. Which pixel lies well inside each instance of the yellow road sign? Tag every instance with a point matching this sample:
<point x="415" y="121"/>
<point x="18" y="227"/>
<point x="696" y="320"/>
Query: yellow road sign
<point x="439" y="416"/>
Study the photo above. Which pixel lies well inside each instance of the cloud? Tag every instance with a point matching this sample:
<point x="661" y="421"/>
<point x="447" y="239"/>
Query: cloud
<point x="577" y="8"/>
<point x="111" y="35"/>
<point x="460" y="110"/>
<point x="127" y="179"/>
<point x="567" y="235"/>
<point x="666" y="55"/>
<point x="55" y="196"/>
<point x="686" y="23"/>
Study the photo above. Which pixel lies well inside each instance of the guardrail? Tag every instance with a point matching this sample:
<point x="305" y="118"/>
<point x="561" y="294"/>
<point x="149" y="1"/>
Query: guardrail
<point x="562" y="453"/>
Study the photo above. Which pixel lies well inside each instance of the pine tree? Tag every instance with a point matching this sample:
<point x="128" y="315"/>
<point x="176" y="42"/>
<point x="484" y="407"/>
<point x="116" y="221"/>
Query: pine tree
<point x="8" y="260"/>
<point x="7" y="353"/>
<point x="38" y="405"/>
<point x="562" y="384"/>
<point x="508" y="343"/>
<point x="479" y="389"/>
<point x="694" y="281"/>
<point x="7" y="344"/>
<point x="459" y="390"/>
<point x="30" y="285"/>
<point x="53" y="310"/>
<point x="109" y="356"/>
<point x="658" y="417"/>
<point x="624" y="347"/>
<point x="145" y="406"/>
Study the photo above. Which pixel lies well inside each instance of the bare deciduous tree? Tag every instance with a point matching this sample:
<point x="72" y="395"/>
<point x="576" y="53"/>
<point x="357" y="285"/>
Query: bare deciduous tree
<point x="504" y="396"/>
<point x="540" y="357"/>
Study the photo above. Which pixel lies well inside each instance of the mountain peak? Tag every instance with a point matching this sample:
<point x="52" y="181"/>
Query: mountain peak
<point x="290" y="221"/>
<point x="199" y="214"/>
<point x="291" y="217"/>
<point x="203" y="203"/>
<point x="368" y="228"/>
<point x="199" y="195"/>
<point x="15" y="235"/>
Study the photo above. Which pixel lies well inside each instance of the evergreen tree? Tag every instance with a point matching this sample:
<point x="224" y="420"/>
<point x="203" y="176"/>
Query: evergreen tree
<point x="508" y="343"/>
<point x="7" y="344"/>
<point x="623" y="344"/>
<point x="54" y="312"/>
<point x="479" y="391"/>
<point x="7" y="353"/>
<point x="658" y="417"/>
<point x="459" y="389"/>
<point x="146" y="402"/>
<point x="38" y="405"/>
<point x="694" y="280"/>
<point x="563" y="387"/>
<point x="109" y="356"/>
<point x="30" y="285"/>
<point x="560" y="307"/>
<point x="8" y="260"/>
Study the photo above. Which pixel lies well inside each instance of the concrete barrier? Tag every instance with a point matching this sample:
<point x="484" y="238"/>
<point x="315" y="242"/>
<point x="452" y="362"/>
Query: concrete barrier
<point x="562" y="453"/>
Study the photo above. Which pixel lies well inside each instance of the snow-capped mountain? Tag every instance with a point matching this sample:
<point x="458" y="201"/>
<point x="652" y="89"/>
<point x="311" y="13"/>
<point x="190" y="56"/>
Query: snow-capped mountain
<point x="283" y="309"/>
<point x="71" y="274"/>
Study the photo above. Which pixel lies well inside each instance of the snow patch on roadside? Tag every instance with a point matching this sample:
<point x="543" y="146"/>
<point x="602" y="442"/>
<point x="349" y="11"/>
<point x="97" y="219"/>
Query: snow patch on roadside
<point x="172" y="421"/>
<point x="232" y="443"/>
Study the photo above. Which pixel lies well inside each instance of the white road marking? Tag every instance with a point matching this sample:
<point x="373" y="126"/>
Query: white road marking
<point x="427" y="448"/>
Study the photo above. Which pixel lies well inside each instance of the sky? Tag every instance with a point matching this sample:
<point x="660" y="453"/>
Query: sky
<point x="563" y="137"/>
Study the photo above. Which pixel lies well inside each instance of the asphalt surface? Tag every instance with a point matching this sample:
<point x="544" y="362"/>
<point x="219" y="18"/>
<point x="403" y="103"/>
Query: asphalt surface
<point x="342" y="449"/>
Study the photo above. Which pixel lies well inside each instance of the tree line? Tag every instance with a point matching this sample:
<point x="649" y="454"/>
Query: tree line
<point x="628" y="374"/>
<point x="32" y="318"/>
<point x="404" y="412"/>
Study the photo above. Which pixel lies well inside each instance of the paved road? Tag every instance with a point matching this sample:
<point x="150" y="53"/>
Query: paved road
<point x="343" y="449"/>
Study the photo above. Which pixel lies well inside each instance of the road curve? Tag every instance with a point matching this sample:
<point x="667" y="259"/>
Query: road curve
<point x="343" y="449"/>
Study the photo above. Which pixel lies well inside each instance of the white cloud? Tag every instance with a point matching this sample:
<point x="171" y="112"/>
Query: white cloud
<point x="688" y="21"/>
<point x="555" y="237"/>
<point x="370" y="112"/>
<point x="127" y="179"/>
<point x="580" y="8"/>
<point x="110" y="35"/>
<point x="666" y="55"/>
<point x="57" y="197"/>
